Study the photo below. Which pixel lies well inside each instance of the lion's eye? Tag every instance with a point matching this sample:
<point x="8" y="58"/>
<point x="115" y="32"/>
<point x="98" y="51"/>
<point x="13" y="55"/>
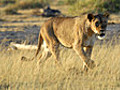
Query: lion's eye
<point x="97" y="24"/>
<point x="105" y="22"/>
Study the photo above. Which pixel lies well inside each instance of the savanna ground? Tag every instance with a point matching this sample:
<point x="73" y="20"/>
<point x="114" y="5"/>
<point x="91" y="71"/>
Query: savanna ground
<point x="32" y="75"/>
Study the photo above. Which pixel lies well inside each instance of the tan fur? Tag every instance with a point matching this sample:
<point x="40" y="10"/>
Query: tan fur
<point x="73" y="32"/>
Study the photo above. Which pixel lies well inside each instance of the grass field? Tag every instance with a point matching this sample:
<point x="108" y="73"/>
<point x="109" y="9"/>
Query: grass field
<point x="18" y="75"/>
<point x="32" y="75"/>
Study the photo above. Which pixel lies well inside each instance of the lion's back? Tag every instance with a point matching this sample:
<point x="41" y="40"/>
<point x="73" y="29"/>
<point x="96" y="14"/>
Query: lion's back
<point x="62" y="28"/>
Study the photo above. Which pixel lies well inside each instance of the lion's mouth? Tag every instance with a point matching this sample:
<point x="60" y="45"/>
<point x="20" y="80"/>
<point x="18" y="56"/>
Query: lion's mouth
<point x="101" y="36"/>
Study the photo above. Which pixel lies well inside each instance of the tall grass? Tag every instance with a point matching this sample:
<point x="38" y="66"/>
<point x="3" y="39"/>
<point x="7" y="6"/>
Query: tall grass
<point x="18" y="75"/>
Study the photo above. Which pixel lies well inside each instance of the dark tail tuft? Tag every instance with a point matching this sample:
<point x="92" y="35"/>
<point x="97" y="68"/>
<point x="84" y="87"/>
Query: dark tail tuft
<point x="40" y="41"/>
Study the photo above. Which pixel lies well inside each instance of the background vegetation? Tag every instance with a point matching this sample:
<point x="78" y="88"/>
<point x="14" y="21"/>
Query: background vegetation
<point x="18" y="75"/>
<point x="77" y="6"/>
<point x="98" y="6"/>
<point x="12" y="6"/>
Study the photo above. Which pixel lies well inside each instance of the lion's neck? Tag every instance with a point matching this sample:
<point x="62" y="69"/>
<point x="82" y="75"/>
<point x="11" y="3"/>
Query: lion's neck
<point x="87" y="29"/>
<point x="89" y="32"/>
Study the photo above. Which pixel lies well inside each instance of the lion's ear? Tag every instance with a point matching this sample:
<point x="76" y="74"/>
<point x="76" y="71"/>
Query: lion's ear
<point x="90" y="17"/>
<point x="106" y="14"/>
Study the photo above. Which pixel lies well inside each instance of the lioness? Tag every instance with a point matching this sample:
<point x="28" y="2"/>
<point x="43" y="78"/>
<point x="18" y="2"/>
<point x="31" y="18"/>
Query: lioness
<point x="78" y="33"/>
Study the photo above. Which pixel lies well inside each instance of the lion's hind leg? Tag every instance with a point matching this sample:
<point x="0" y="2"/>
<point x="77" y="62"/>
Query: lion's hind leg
<point x="53" y="46"/>
<point x="51" y="42"/>
<point x="55" y="52"/>
<point x="46" y="54"/>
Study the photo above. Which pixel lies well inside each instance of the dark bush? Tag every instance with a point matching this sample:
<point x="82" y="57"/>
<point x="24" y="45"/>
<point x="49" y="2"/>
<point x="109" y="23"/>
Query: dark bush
<point x="29" y="4"/>
<point x="24" y="4"/>
<point x="85" y="6"/>
<point x="112" y="5"/>
<point x="10" y="9"/>
<point x="5" y="2"/>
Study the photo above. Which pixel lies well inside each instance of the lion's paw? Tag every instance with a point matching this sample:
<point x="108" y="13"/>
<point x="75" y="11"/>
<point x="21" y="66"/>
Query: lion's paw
<point x="91" y="64"/>
<point x="23" y="58"/>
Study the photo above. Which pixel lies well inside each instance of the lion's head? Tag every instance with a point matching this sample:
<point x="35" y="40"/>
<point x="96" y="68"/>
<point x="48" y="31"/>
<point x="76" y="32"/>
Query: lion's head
<point x="98" y="24"/>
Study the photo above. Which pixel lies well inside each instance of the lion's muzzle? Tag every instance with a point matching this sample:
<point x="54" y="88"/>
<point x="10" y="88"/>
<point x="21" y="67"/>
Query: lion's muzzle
<point x="101" y="35"/>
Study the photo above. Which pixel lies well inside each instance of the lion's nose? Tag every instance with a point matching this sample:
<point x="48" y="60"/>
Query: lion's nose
<point x="103" y="26"/>
<point x="102" y="31"/>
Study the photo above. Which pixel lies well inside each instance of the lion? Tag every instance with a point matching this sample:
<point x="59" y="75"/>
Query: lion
<point x="78" y="33"/>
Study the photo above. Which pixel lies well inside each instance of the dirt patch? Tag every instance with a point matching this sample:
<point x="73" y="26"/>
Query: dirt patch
<point x="30" y="35"/>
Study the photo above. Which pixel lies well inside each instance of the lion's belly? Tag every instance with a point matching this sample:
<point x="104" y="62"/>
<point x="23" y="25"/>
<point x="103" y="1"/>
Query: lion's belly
<point x="65" y="39"/>
<point x="65" y="43"/>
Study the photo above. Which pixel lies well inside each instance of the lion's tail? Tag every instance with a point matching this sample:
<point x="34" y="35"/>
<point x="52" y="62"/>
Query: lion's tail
<point x="40" y="41"/>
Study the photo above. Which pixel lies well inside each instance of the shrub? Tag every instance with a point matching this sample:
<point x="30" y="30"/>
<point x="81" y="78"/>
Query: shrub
<point x="112" y="5"/>
<point x="85" y="6"/>
<point x="10" y="9"/>
<point x="24" y="4"/>
<point x="29" y="4"/>
<point x="5" y="2"/>
<point x="70" y="1"/>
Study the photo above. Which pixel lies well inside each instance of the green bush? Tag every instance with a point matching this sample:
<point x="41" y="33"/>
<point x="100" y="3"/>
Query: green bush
<point x="5" y="2"/>
<point x="24" y="4"/>
<point x="112" y="5"/>
<point x="10" y="9"/>
<point x="28" y="4"/>
<point x="70" y="1"/>
<point x="86" y="6"/>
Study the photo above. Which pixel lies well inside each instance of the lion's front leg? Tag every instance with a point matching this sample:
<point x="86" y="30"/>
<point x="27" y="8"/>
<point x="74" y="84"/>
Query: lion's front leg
<point x="88" y="62"/>
<point x="88" y="52"/>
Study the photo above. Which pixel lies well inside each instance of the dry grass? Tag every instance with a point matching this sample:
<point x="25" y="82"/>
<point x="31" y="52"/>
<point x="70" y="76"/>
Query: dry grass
<point x="18" y="75"/>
